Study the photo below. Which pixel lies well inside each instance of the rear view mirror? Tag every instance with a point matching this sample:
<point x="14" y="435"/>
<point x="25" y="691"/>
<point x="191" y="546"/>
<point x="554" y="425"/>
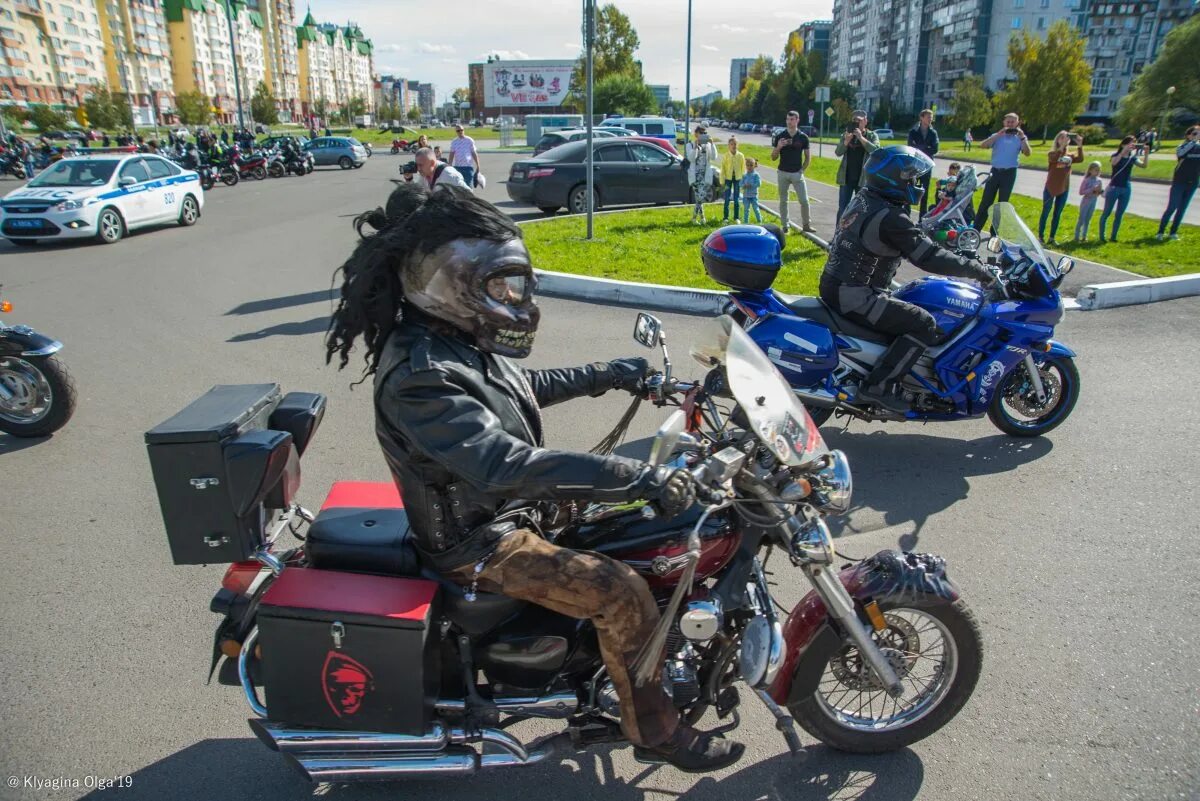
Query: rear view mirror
<point x="126" y="180"/>
<point x="667" y="438"/>
<point x="647" y="332"/>
<point x="1065" y="265"/>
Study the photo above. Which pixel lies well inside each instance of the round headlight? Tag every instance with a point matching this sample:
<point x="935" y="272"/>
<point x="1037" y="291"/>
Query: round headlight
<point x="836" y="483"/>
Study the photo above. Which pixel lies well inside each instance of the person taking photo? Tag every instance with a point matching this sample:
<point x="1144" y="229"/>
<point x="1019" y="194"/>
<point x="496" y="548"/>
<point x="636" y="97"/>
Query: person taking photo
<point x="1007" y="146"/>
<point x="856" y="144"/>
<point x="1183" y="182"/>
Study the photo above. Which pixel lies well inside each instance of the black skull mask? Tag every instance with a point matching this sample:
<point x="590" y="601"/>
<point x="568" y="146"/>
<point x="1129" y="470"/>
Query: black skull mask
<point x="480" y="286"/>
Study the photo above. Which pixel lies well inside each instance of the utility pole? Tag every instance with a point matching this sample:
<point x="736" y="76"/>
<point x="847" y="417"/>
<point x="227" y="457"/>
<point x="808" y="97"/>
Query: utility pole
<point x="687" y="81"/>
<point x="237" y="80"/>
<point x="589" y="24"/>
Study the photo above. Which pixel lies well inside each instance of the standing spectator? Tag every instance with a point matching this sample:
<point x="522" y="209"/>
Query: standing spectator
<point x="924" y="137"/>
<point x="790" y="148"/>
<point x="733" y="168"/>
<point x="1089" y="189"/>
<point x="463" y="156"/>
<point x="856" y="144"/>
<point x="312" y="132"/>
<point x="1007" y="145"/>
<point x="968" y="139"/>
<point x="1119" y="191"/>
<point x="699" y="154"/>
<point x="1058" y="181"/>
<point x="25" y="152"/>
<point x="437" y="153"/>
<point x="1183" y="183"/>
<point x="327" y="131"/>
<point x="1152" y="140"/>
<point x="750" y="184"/>
<point x="436" y="174"/>
<point x="105" y="141"/>
<point x="224" y="136"/>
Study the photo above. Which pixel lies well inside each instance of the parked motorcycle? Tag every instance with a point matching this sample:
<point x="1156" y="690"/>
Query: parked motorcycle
<point x="998" y="355"/>
<point x="37" y="395"/>
<point x="252" y="165"/>
<point x="10" y="164"/>
<point x="372" y="664"/>
<point x="401" y="144"/>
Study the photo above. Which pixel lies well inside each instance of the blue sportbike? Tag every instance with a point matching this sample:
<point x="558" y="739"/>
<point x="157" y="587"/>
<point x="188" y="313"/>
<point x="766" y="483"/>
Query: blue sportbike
<point x="997" y="356"/>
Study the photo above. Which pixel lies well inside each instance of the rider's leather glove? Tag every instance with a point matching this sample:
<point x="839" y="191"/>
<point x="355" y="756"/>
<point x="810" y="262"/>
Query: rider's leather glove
<point x="629" y="374"/>
<point x="982" y="274"/>
<point x="672" y="491"/>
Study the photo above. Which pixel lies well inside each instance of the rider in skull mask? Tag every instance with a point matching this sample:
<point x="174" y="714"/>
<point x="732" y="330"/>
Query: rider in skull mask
<point x="872" y="235"/>
<point x="442" y="296"/>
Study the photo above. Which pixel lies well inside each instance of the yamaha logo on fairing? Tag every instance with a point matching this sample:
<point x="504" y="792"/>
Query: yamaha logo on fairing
<point x="962" y="304"/>
<point x="994" y="371"/>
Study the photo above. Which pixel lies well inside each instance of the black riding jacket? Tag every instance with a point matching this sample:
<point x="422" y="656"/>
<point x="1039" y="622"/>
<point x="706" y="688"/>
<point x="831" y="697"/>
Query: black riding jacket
<point x="872" y="236"/>
<point x="462" y="433"/>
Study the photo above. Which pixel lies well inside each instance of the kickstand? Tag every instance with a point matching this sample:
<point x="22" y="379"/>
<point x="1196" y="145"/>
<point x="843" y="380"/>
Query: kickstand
<point x="785" y="724"/>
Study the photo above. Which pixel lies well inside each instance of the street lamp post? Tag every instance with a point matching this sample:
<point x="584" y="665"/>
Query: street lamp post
<point x="237" y="80"/>
<point x="687" y="78"/>
<point x="1162" y="129"/>
<point x="589" y="43"/>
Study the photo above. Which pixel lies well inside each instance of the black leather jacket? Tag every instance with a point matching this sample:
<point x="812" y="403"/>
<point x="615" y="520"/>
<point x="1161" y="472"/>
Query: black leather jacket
<point x="462" y="433"/>
<point x="872" y="236"/>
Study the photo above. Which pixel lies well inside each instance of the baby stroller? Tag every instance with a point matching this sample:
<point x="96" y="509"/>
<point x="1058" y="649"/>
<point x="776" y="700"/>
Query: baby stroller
<point x="950" y="221"/>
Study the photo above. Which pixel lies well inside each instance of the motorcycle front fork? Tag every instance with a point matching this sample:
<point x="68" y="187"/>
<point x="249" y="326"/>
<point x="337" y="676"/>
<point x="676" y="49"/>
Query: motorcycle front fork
<point x="841" y="608"/>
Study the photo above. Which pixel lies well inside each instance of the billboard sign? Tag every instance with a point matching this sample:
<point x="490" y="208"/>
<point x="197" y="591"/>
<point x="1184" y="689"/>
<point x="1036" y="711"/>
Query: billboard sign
<point x="526" y="83"/>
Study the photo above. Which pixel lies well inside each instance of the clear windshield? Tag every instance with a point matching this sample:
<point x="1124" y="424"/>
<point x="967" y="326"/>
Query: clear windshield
<point x="1013" y="230"/>
<point x="76" y="172"/>
<point x="774" y="412"/>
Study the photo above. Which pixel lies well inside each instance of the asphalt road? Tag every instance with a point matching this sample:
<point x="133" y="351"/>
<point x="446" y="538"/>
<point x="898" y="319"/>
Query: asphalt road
<point x="1075" y="550"/>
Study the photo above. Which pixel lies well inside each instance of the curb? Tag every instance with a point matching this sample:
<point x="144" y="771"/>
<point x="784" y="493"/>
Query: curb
<point x="1134" y="293"/>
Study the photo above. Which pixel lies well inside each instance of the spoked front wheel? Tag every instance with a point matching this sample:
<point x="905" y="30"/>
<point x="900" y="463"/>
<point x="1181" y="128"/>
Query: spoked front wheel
<point x="1015" y="408"/>
<point x="936" y="649"/>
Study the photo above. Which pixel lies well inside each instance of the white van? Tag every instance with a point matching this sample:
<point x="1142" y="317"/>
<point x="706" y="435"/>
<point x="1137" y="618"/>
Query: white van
<point x="658" y="127"/>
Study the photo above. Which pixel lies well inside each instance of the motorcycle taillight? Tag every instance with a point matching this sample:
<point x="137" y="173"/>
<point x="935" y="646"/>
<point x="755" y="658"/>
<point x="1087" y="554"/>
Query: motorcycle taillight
<point x="240" y="576"/>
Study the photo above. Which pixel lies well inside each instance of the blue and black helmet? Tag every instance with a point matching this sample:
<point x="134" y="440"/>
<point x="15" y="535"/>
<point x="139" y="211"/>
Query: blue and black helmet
<point x="895" y="173"/>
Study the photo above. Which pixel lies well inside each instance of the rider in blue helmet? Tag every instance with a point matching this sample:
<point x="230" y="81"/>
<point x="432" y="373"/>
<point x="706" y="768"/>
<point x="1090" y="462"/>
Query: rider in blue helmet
<point x="872" y="235"/>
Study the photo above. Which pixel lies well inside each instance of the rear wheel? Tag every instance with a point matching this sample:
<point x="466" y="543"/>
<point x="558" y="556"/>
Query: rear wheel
<point x="110" y="227"/>
<point x="276" y="170"/>
<point x="230" y="177"/>
<point x="933" y="644"/>
<point x="189" y="211"/>
<point x="577" y="200"/>
<point x="1015" y="409"/>
<point x="259" y="173"/>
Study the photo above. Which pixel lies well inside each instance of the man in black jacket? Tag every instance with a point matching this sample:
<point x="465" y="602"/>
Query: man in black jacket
<point x="460" y="427"/>
<point x="872" y="236"/>
<point x="924" y="137"/>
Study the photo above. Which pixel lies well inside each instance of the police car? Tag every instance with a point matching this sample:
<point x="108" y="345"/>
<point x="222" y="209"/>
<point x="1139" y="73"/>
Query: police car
<point x="102" y="195"/>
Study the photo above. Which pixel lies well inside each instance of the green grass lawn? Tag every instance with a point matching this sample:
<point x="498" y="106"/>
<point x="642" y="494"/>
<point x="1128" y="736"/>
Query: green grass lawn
<point x="654" y="246"/>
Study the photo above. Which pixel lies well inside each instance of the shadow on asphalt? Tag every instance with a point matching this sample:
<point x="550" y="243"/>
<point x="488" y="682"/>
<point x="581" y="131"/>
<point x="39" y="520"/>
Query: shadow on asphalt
<point x="316" y="325"/>
<point x="243" y="769"/>
<point x="910" y="477"/>
<point x="10" y="444"/>
<point x="282" y="302"/>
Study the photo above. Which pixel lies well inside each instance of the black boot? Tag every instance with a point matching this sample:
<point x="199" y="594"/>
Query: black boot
<point x="692" y="751"/>
<point x="880" y="387"/>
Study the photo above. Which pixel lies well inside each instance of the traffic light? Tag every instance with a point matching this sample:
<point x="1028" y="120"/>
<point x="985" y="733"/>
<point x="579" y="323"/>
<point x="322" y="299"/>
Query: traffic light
<point x="81" y="116"/>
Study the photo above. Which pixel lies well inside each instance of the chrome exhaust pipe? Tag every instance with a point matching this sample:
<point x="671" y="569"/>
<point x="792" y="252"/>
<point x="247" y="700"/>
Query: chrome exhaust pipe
<point x="558" y="705"/>
<point x="820" y="397"/>
<point x="384" y="767"/>
<point x="294" y="741"/>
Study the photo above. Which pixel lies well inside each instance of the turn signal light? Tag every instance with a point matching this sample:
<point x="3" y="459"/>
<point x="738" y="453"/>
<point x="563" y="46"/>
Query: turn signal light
<point x="875" y="616"/>
<point x="5" y="306"/>
<point x="1044" y="347"/>
<point x="231" y="648"/>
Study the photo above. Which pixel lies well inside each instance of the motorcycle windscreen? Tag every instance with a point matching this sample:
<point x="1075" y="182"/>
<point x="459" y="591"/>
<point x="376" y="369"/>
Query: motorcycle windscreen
<point x="1013" y="230"/>
<point x="776" y="416"/>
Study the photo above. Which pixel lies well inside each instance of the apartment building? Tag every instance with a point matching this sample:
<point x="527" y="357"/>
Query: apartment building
<point x="137" y="56"/>
<point x="53" y="53"/>
<point x="815" y="36"/>
<point x="739" y="71"/>
<point x="282" y="65"/>
<point x="336" y="65"/>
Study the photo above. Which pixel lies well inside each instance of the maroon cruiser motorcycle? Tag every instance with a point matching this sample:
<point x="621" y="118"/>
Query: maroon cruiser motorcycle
<point x="358" y="664"/>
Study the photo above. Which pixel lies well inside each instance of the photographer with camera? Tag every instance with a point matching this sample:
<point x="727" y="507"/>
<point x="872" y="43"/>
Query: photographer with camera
<point x="1183" y="182"/>
<point x="856" y="144"/>
<point x="1058" y="181"/>
<point x="1007" y="145"/>
<point x="1119" y="190"/>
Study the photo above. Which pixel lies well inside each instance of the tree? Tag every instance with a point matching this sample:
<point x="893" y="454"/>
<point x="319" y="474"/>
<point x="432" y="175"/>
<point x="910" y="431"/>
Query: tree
<point x="45" y="118"/>
<point x="616" y="42"/>
<point x="1148" y="102"/>
<point x="262" y="105"/>
<point x="743" y="104"/>
<point x="461" y="95"/>
<point x="762" y="68"/>
<point x="626" y="95"/>
<point x="102" y="111"/>
<point x="356" y="106"/>
<point x="719" y="108"/>
<point x="194" y="107"/>
<point x="841" y="110"/>
<point x="971" y="104"/>
<point x="1053" y="79"/>
<point x="414" y="115"/>
<point x="320" y="108"/>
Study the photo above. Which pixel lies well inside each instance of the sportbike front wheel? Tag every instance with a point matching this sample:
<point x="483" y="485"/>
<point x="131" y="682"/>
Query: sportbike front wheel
<point x="1015" y="408"/>
<point x="936" y="649"/>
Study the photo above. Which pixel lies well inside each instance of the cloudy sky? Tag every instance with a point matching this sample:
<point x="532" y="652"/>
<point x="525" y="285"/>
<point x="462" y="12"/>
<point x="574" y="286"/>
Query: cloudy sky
<point x="435" y="41"/>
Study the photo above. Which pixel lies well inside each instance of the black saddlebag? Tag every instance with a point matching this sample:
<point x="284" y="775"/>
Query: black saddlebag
<point x="349" y="651"/>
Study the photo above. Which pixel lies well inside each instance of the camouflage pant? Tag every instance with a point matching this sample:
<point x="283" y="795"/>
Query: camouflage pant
<point x="607" y="592"/>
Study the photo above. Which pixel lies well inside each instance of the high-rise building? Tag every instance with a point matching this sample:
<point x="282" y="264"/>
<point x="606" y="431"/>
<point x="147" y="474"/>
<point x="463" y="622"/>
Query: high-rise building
<point x="815" y="36"/>
<point x="53" y="53"/>
<point x="336" y="66"/>
<point x="200" y="53"/>
<point x="1122" y="38"/>
<point x="283" y="62"/>
<point x="739" y="71"/>
<point x="425" y="98"/>
<point x="661" y="92"/>
<point x="137" y="56"/>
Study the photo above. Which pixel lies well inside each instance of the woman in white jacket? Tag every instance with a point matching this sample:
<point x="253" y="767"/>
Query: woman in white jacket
<point x="700" y="153"/>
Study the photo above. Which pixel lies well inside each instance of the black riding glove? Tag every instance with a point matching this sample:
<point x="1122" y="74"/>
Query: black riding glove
<point x="672" y="491"/>
<point x="982" y="274"/>
<point x="629" y="374"/>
